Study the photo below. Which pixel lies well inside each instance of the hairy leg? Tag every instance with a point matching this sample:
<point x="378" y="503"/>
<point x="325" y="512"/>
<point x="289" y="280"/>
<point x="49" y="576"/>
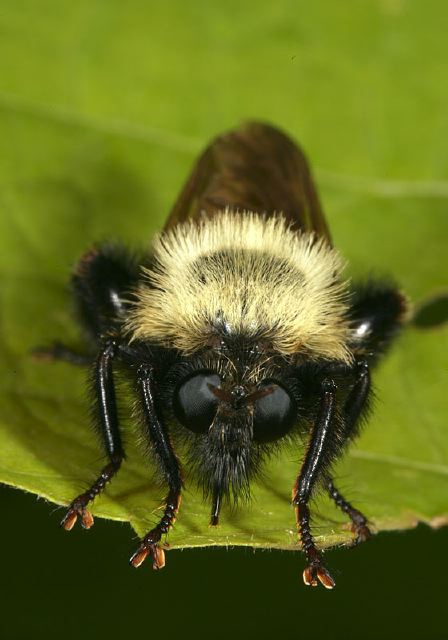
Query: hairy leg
<point x="107" y="425"/>
<point x="359" y="521"/>
<point x="354" y="406"/>
<point x="169" y="464"/>
<point x="319" y="452"/>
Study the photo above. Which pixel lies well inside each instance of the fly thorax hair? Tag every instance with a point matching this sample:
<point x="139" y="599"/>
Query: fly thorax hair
<point x="253" y="275"/>
<point x="223" y="453"/>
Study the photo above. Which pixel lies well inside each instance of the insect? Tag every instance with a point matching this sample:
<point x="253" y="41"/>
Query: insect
<point x="239" y="332"/>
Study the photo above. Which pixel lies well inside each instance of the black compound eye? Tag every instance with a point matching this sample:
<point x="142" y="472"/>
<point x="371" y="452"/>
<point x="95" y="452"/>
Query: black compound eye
<point x="194" y="402"/>
<point x="274" y="413"/>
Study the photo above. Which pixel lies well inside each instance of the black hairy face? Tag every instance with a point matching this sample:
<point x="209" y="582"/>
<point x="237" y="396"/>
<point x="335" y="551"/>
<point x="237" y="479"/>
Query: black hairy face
<point x="200" y="400"/>
<point x="231" y="409"/>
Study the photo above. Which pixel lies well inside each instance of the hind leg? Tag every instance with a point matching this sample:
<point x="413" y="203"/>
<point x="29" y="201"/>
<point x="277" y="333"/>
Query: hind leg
<point x="61" y="352"/>
<point x="359" y="521"/>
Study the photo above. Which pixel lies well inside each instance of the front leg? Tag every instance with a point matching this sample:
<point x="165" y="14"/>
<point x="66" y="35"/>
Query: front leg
<point x="171" y="469"/>
<point x="319" y="453"/>
<point x="107" y="420"/>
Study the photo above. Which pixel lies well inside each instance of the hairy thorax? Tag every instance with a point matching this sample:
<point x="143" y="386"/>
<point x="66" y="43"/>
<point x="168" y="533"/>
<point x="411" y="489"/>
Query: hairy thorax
<point x="247" y="276"/>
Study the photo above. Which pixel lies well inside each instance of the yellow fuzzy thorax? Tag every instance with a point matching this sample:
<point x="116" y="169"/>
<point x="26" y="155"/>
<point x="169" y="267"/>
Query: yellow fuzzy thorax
<point x="249" y="275"/>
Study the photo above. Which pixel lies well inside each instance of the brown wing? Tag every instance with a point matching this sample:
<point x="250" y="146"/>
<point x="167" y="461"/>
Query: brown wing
<point x="254" y="168"/>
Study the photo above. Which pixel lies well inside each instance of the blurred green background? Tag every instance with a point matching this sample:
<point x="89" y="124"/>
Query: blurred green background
<point x="103" y="107"/>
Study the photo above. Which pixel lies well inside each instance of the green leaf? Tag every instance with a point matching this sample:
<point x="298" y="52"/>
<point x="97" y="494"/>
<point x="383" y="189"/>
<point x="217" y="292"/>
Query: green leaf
<point x="103" y="108"/>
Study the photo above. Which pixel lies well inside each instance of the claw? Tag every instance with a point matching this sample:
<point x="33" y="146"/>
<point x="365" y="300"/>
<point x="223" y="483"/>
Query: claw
<point x="363" y="533"/>
<point x="139" y="557"/>
<point x="158" y="557"/>
<point x="309" y="576"/>
<point x="86" y="519"/>
<point x="313" y="573"/>
<point x="153" y="549"/>
<point x="70" y="518"/>
<point x="325" y="578"/>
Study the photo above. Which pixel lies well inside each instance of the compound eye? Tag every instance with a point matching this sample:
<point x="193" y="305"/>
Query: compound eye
<point x="274" y="413"/>
<point x="194" y="403"/>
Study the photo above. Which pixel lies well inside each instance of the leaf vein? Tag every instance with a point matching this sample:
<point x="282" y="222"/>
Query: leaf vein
<point x="177" y="142"/>
<point x="417" y="465"/>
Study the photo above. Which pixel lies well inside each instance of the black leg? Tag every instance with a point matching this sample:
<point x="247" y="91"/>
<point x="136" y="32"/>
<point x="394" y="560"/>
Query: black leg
<point x="170" y="467"/>
<point x="316" y="458"/>
<point x="357" y="400"/>
<point x="354" y="406"/>
<point x="59" y="351"/>
<point x="109" y="429"/>
<point x="359" y="521"/>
